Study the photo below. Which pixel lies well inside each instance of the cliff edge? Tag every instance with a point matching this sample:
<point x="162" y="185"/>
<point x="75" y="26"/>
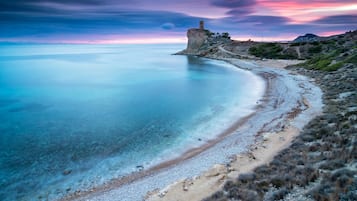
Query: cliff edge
<point x="196" y="40"/>
<point x="202" y="42"/>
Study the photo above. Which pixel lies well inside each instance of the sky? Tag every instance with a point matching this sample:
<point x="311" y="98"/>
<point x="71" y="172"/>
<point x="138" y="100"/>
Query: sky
<point x="164" y="21"/>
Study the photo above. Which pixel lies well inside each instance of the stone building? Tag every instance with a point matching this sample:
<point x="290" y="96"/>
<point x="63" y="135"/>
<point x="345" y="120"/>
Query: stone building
<point x="202" y="25"/>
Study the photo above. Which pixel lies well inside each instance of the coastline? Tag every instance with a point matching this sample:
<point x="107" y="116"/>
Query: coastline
<point x="262" y="151"/>
<point x="284" y="122"/>
<point x="320" y="163"/>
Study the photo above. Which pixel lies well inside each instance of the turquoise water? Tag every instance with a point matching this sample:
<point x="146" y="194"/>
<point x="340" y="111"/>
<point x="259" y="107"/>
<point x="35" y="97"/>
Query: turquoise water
<point x="77" y="116"/>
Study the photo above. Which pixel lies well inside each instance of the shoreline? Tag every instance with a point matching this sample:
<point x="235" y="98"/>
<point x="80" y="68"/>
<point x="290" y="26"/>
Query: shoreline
<point x="243" y="128"/>
<point x="168" y="163"/>
<point x="261" y="152"/>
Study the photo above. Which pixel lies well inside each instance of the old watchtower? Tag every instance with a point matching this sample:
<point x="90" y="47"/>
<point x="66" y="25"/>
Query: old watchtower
<point x="202" y="25"/>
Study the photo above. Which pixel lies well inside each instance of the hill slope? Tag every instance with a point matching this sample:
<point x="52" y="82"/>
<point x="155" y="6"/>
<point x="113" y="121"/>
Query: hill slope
<point x="322" y="53"/>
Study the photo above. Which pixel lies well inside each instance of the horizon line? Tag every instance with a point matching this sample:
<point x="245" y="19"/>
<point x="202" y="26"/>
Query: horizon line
<point x="152" y="40"/>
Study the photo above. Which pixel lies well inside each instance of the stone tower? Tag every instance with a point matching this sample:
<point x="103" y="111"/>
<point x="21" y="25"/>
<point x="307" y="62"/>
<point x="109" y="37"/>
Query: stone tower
<point x="202" y="25"/>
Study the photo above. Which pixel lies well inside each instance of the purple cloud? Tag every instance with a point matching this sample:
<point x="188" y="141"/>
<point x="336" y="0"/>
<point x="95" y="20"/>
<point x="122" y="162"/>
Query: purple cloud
<point x="79" y="19"/>
<point x="338" y="19"/>
<point x="264" y="20"/>
<point x="237" y="12"/>
<point x="238" y="8"/>
<point x="233" y="3"/>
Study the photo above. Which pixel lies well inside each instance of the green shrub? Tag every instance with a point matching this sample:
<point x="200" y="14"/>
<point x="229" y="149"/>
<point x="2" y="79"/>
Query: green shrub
<point x="315" y="49"/>
<point x="253" y="50"/>
<point x="352" y="59"/>
<point x="323" y="63"/>
<point x="226" y="35"/>
<point x="267" y="50"/>
<point x="334" y="67"/>
<point x="341" y="42"/>
<point x="295" y="44"/>
<point x="325" y="42"/>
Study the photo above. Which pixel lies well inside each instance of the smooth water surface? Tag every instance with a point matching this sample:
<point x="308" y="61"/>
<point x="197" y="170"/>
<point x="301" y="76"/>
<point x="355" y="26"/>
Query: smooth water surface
<point x="76" y="116"/>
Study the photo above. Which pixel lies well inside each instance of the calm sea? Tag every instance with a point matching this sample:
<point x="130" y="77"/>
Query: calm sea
<point x="77" y="116"/>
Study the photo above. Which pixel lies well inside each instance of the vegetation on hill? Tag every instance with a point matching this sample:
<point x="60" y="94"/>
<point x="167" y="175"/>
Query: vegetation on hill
<point x="320" y="53"/>
<point x="334" y="53"/>
<point x="271" y="51"/>
<point x="327" y="54"/>
<point x="321" y="163"/>
<point x="331" y="61"/>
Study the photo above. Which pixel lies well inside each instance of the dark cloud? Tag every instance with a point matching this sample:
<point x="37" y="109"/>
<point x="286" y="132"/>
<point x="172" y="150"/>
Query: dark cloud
<point x="44" y="18"/>
<point x="57" y="5"/>
<point x="238" y="12"/>
<point x="16" y="4"/>
<point x="233" y="3"/>
<point x="91" y="22"/>
<point x="338" y="19"/>
<point x="238" y="7"/>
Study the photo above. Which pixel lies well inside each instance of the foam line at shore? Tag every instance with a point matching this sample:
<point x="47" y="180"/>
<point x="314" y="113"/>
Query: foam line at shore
<point x="285" y="93"/>
<point x="221" y="124"/>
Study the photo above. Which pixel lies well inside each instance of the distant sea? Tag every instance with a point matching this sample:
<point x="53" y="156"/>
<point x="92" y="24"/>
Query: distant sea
<point x="76" y="116"/>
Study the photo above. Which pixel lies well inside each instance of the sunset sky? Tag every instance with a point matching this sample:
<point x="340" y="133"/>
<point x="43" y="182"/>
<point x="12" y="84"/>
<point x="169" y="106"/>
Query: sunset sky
<point x="143" y="21"/>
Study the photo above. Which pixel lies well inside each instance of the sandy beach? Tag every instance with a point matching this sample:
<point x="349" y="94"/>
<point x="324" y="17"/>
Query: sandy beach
<point x="261" y="152"/>
<point x="289" y="103"/>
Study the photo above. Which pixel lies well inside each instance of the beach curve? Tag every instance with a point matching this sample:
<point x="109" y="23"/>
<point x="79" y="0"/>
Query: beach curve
<point x="289" y="103"/>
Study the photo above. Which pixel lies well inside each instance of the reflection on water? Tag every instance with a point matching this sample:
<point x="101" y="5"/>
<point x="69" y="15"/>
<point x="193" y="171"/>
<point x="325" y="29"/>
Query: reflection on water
<point x="195" y="61"/>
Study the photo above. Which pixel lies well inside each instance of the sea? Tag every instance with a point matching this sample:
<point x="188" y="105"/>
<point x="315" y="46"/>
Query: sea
<point x="73" y="117"/>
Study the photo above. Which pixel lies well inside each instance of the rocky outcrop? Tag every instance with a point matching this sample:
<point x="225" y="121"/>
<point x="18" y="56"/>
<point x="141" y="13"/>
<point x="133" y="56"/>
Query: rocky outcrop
<point x="196" y="40"/>
<point x="203" y="42"/>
